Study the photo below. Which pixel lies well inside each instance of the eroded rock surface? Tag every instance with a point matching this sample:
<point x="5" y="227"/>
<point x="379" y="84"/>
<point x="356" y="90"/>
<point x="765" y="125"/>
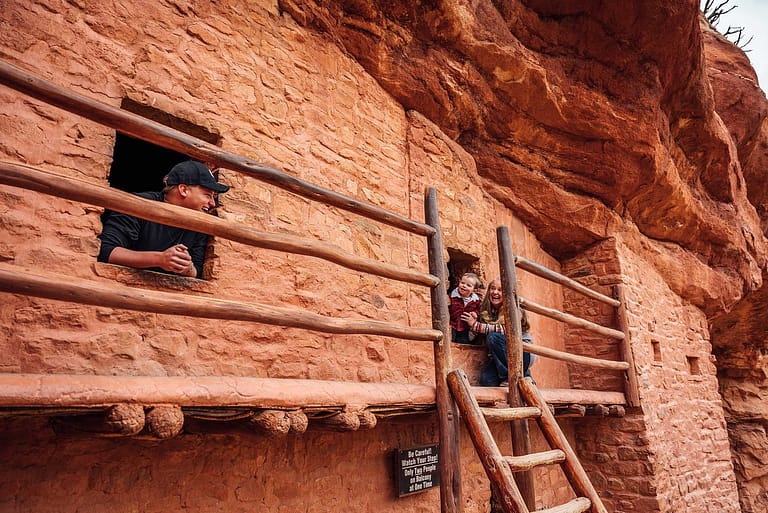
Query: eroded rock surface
<point x="592" y="119"/>
<point x="586" y="121"/>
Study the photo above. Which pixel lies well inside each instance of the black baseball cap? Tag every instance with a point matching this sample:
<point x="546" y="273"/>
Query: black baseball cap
<point x="191" y="172"/>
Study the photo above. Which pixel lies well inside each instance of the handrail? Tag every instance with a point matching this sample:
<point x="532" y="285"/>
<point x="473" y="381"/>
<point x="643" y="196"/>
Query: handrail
<point x="38" y="180"/>
<point x="575" y="358"/>
<point x="543" y="272"/>
<point x="626" y="362"/>
<point x="64" y="288"/>
<point x="570" y="319"/>
<point x="156" y="133"/>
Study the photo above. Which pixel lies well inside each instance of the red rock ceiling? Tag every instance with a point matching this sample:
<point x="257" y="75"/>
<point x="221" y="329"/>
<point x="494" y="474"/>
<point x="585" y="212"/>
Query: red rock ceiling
<point x="588" y="119"/>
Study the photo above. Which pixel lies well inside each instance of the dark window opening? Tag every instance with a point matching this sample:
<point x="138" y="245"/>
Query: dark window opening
<point x="459" y="263"/>
<point x="656" y="345"/>
<point x="139" y="166"/>
<point x="694" y="368"/>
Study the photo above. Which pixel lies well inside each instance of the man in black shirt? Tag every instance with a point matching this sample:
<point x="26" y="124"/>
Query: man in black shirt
<point x="134" y="242"/>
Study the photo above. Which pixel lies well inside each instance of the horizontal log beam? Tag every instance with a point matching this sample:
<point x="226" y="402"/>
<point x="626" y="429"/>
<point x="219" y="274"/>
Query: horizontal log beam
<point x="570" y="319"/>
<point x="161" y="135"/>
<point x="548" y="352"/>
<point x="546" y="273"/>
<point x="28" y="392"/>
<point x="554" y="396"/>
<point x="69" y="391"/>
<point x="75" y="290"/>
<point x="30" y="178"/>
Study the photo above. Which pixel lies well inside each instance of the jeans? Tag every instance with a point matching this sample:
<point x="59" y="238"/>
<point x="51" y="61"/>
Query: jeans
<point x="495" y="369"/>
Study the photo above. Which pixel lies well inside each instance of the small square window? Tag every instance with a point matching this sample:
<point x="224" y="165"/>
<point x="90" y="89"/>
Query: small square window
<point x="694" y="367"/>
<point x="656" y="345"/>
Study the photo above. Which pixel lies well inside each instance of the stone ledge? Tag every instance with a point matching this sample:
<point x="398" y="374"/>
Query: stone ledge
<point x="150" y="279"/>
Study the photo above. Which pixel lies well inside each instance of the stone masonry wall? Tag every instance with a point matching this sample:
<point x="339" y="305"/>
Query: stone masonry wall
<point x="672" y="453"/>
<point x="280" y="95"/>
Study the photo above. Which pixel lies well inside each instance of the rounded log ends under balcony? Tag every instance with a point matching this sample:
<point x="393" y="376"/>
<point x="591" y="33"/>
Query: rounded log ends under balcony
<point x="164" y="421"/>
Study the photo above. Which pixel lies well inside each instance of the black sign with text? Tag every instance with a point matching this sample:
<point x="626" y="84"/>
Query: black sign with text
<point x="417" y="469"/>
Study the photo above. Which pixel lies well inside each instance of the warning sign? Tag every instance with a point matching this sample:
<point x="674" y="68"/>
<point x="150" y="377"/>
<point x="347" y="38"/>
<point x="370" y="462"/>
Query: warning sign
<point x="417" y="469"/>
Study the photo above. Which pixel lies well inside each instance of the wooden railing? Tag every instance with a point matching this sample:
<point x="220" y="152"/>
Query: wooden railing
<point x="625" y="364"/>
<point x="83" y="291"/>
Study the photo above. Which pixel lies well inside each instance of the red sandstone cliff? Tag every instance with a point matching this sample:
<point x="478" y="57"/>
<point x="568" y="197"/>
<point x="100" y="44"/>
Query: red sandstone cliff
<point x="588" y="120"/>
<point x="598" y="119"/>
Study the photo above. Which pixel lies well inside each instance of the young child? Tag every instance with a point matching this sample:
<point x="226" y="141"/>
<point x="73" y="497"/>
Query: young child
<point x="463" y="300"/>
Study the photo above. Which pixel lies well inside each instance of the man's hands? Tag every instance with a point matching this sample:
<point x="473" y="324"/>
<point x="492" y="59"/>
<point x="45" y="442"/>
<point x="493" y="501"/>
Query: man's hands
<point x="177" y="259"/>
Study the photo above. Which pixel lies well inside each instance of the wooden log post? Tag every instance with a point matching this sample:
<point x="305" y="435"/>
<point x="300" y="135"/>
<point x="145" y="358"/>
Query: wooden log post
<point x="164" y="421"/>
<point x="299" y="422"/>
<point x="271" y="423"/>
<point x="521" y="441"/>
<point x="631" y="389"/>
<point x="125" y="419"/>
<point x="447" y="412"/>
<point x="342" y="421"/>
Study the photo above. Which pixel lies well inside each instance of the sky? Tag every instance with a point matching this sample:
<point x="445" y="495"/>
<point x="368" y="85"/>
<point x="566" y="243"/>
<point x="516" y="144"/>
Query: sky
<point x="753" y="16"/>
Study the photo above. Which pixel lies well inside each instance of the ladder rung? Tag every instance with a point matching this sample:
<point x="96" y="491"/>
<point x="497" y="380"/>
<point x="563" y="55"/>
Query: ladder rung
<point x="577" y="505"/>
<point x="536" y="459"/>
<point x="508" y="414"/>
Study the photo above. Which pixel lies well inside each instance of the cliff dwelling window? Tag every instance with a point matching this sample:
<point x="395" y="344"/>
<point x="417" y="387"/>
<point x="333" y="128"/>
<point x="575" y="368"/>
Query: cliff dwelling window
<point x="459" y="263"/>
<point x="139" y="166"/>
<point x="656" y="345"/>
<point x="694" y="368"/>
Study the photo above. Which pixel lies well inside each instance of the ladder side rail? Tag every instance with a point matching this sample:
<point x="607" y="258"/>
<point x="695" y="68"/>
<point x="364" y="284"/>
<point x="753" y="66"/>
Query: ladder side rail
<point x="34" y="179"/>
<point x="162" y="135"/>
<point x="493" y="461"/>
<point x="554" y="435"/>
<point x="448" y="415"/>
<point x="521" y="440"/>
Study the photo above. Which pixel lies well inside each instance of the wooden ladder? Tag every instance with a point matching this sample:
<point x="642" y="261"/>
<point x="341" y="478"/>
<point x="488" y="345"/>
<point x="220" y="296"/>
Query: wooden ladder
<point x="500" y="468"/>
